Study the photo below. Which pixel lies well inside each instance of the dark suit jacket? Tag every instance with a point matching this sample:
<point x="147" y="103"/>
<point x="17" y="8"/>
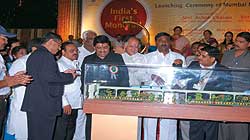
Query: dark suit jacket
<point x="44" y="94"/>
<point x="220" y="79"/>
<point x="100" y="70"/>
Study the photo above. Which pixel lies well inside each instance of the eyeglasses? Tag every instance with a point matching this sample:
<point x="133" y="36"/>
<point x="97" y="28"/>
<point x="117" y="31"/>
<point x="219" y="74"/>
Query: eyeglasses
<point x="59" y="43"/>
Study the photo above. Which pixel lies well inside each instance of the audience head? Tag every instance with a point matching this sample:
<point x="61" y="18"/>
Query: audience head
<point x="194" y="47"/>
<point x="12" y="43"/>
<point x="208" y="55"/>
<point x="18" y="52"/>
<point x="163" y="42"/>
<point x="207" y="34"/>
<point x="70" y="37"/>
<point x="88" y="37"/>
<point x="132" y="45"/>
<point x="102" y="46"/>
<point x="177" y="30"/>
<point x="4" y="35"/>
<point x="69" y="50"/>
<point x="242" y="41"/>
<point x="52" y="42"/>
<point x="228" y="37"/>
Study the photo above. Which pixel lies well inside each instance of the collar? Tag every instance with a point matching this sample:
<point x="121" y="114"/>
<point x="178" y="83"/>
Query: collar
<point x="84" y="49"/>
<point x="65" y="59"/>
<point x="210" y="67"/>
<point x="136" y="54"/>
<point x="169" y="52"/>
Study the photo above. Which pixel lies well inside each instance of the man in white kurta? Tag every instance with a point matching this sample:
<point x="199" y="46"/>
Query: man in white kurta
<point x="163" y="56"/>
<point x="18" y="118"/>
<point x="134" y="60"/>
<point x="86" y="49"/>
<point x="72" y="98"/>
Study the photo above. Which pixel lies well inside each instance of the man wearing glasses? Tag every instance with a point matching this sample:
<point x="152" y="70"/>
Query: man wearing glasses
<point x="72" y="97"/>
<point x="209" y="79"/>
<point x="43" y="97"/>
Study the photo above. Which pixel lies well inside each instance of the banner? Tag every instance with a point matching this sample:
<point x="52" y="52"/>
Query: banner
<point x="109" y="16"/>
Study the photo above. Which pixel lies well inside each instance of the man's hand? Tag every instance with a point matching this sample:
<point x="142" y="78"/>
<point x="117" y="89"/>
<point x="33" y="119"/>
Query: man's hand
<point x="177" y="63"/>
<point x="67" y="109"/>
<point x="19" y="78"/>
<point x="72" y="71"/>
<point x="157" y="79"/>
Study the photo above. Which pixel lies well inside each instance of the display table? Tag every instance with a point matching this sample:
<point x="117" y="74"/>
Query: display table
<point x="111" y="117"/>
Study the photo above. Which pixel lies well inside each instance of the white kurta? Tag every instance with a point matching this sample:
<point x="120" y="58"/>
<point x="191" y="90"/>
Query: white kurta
<point x="73" y="96"/>
<point x="18" y="118"/>
<point x="136" y="76"/>
<point x="83" y="52"/>
<point x="134" y="63"/>
<point x="81" y="117"/>
<point x="72" y="93"/>
<point x="168" y="127"/>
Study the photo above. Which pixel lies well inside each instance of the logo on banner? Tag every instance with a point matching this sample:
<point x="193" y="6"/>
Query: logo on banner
<point x="117" y="11"/>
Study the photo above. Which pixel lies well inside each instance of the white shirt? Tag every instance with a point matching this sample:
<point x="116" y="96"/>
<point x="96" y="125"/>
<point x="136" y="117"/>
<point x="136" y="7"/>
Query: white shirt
<point x="83" y="52"/>
<point x="72" y="93"/>
<point x="3" y="70"/>
<point x="163" y="64"/>
<point x="17" y="118"/>
<point x="18" y="65"/>
<point x="136" y="72"/>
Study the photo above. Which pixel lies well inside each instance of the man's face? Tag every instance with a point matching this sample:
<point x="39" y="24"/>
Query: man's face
<point x="241" y="43"/>
<point x="102" y="50"/>
<point x="3" y="42"/>
<point x="205" y="60"/>
<point x="194" y="48"/>
<point x="90" y="39"/>
<point x="132" y="47"/>
<point x="20" y="53"/>
<point x="70" y="52"/>
<point x="207" y="34"/>
<point x="54" y="46"/>
<point x="13" y="45"/>
<point x="163" y="44"/>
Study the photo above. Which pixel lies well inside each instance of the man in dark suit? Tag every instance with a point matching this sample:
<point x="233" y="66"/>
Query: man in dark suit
<point x="213" y="77"/>
<point x="103" y="65"/>
<point x="43" y="97"/>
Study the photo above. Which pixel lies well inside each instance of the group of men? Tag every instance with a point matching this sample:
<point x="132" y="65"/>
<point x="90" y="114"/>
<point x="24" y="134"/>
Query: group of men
<point x="50" y="105"/>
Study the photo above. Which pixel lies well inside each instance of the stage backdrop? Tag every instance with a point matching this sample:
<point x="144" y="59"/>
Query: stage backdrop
<point x="219" y="16"/>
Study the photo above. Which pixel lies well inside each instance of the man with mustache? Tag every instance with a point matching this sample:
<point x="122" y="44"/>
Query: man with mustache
<point x="72" y="97"/>
<point x="163" y="56"/>
<point x="103" y="65"/>
<point x="237" y="58"/>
